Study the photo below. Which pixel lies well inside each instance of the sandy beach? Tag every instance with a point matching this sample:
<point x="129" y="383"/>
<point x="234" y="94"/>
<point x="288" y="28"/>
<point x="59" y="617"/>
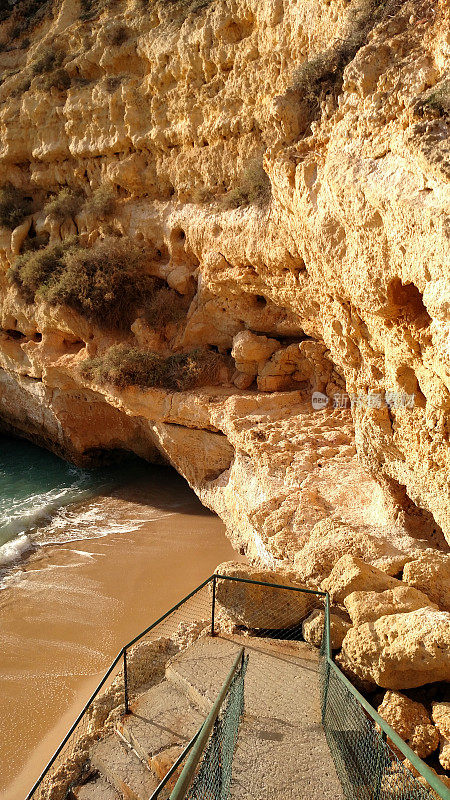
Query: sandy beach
<point x="72" y="606"/>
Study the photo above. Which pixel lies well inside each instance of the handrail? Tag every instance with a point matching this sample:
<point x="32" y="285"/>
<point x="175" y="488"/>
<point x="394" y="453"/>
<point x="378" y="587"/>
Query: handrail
<point x="121" y="654"/>
<point x="272" y="585"/>
<point x="431" y="778"/>
<point x="189" y="768"/>
<point x="175" y="765"/>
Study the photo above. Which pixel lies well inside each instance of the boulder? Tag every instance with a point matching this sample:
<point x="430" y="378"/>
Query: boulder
<point x="399" y="651"/>
<point x="259" y="607"/>
<point x="313" y="627"/>
<point x="441" y="717"/>
<point x="369" y="606"/>
<point x="251" y="351"/>
<point x="411" y="721"/>
<point x="430" y="573"/>
<point x="393" y="781"/>
<point x="351" y="574"/>
<point x="330" y="539"/>
<point x="277" y="374"/>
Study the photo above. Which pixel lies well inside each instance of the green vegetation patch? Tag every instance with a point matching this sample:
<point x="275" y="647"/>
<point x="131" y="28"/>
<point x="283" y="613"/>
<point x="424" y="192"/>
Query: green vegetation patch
<point x="14" y="207"/>
<point x="102" y="202"/>
<point x="67" y="203"/>
<point x="254" y="187"/>
<point x="323" y="73"/>
<point x="166" y="307"/>
<point x="107" y="283"/>
<point x="437" y="99"/>
<point x="124" y="366"/>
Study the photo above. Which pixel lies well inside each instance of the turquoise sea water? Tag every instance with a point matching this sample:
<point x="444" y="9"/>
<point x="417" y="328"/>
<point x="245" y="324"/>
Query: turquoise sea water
<point x="36" y="485"/>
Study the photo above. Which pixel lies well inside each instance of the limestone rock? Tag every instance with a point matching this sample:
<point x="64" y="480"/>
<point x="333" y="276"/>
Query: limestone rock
<point x="313" y="628"/>
<point x="393" y="781"/>
<point x="431" y="574"/>
<point x="368" y="606"/>
<point x="250" y="351"/>
<point x="328" y="252"/>
<point x="441" y="717"/>
<point x="352" y="574"/>
<point x="411" y="721"/>
<point x="400" y="651"/>
<point x="298" y="363"/>
<point x="331" y="539"/>
<point x="257" y="606"/>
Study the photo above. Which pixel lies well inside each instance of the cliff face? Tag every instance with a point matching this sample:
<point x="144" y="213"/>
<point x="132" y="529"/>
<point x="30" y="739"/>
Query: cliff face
<point x="284" y="168"/>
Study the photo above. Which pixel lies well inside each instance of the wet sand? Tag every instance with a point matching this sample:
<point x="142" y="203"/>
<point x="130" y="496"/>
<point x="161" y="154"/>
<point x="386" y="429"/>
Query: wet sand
<point x="74" y="605"/>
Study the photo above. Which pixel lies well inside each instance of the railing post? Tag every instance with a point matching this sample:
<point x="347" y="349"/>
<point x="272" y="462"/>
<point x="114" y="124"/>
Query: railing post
<point x="213" y="609"/>
<point x="125" y="681"/>
<point x="327" y="656"/>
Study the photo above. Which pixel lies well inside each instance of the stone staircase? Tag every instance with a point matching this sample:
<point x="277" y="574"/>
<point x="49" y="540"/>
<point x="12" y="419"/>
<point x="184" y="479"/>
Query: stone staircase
<point x="281" y="753"/>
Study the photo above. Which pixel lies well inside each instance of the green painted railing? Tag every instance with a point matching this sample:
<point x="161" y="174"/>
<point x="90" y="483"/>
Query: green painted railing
<point x="212" y="777"/>
<point x="377" y="763"/>
<point x="357" y="736"/>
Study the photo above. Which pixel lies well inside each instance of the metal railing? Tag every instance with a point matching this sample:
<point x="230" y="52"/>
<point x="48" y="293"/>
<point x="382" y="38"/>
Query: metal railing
<point x="357" y="736"/>
<point x="220" y="734"/>
<point x="220" y="749"/>
<point x="80" y="730"/>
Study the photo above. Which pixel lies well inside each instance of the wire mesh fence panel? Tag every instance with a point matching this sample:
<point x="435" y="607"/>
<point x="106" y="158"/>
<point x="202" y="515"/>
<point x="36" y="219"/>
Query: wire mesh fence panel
<point x="147" y="658"/>
<point x="145" y="663"/>
<point x="213" y="779"/>
<point x="270" y="611"/>
<point x="72" y="761"/>
<point x="366" y="766"/>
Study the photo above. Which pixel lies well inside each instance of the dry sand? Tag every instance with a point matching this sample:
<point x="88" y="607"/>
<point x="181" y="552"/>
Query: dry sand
<point x="76" y="604"/>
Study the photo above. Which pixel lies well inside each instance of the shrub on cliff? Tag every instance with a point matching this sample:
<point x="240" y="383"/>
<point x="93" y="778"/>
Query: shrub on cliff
<point x="106" y="284"/>
<point x="58" y="79"/>
<point x="24" y="15"/>
<point x="47" y="60"/>
<point x="14" y="207"/>
<point x="124" y="366"/>
<point x="254" y="187"/>
<point x="437" y="99"/>
<point x="116" y="35"/>
<point x="64" y="205"/>
<point x="102" y="203"/>
<point x="164" y="307"/>
<point x="323" y="73"/>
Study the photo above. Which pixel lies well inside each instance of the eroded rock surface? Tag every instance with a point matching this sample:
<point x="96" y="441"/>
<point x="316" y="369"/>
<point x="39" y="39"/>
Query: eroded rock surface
<point x="431" y="574"/>
<point x="370" y="606"/>
<point x="313" y="628"/>
<point x="352" y="574"/>
<point x="399" y="651"/>
<point x="258" y="607"/>
<point x="296" y="226"/>
<point x="441" y="718"/>
<point x="411" y="721"/>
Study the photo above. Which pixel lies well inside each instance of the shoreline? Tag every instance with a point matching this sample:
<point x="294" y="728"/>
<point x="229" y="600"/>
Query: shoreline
<point x="71" y="607"/>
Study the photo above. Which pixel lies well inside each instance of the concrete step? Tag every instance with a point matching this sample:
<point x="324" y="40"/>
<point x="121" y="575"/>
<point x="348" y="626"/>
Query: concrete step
<point x="122" y="769"/>
<point x="162" y="718"/>
<point x="281" y="751"/>
<point x="200" y="671"/>
<point x="96" y="789"/>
